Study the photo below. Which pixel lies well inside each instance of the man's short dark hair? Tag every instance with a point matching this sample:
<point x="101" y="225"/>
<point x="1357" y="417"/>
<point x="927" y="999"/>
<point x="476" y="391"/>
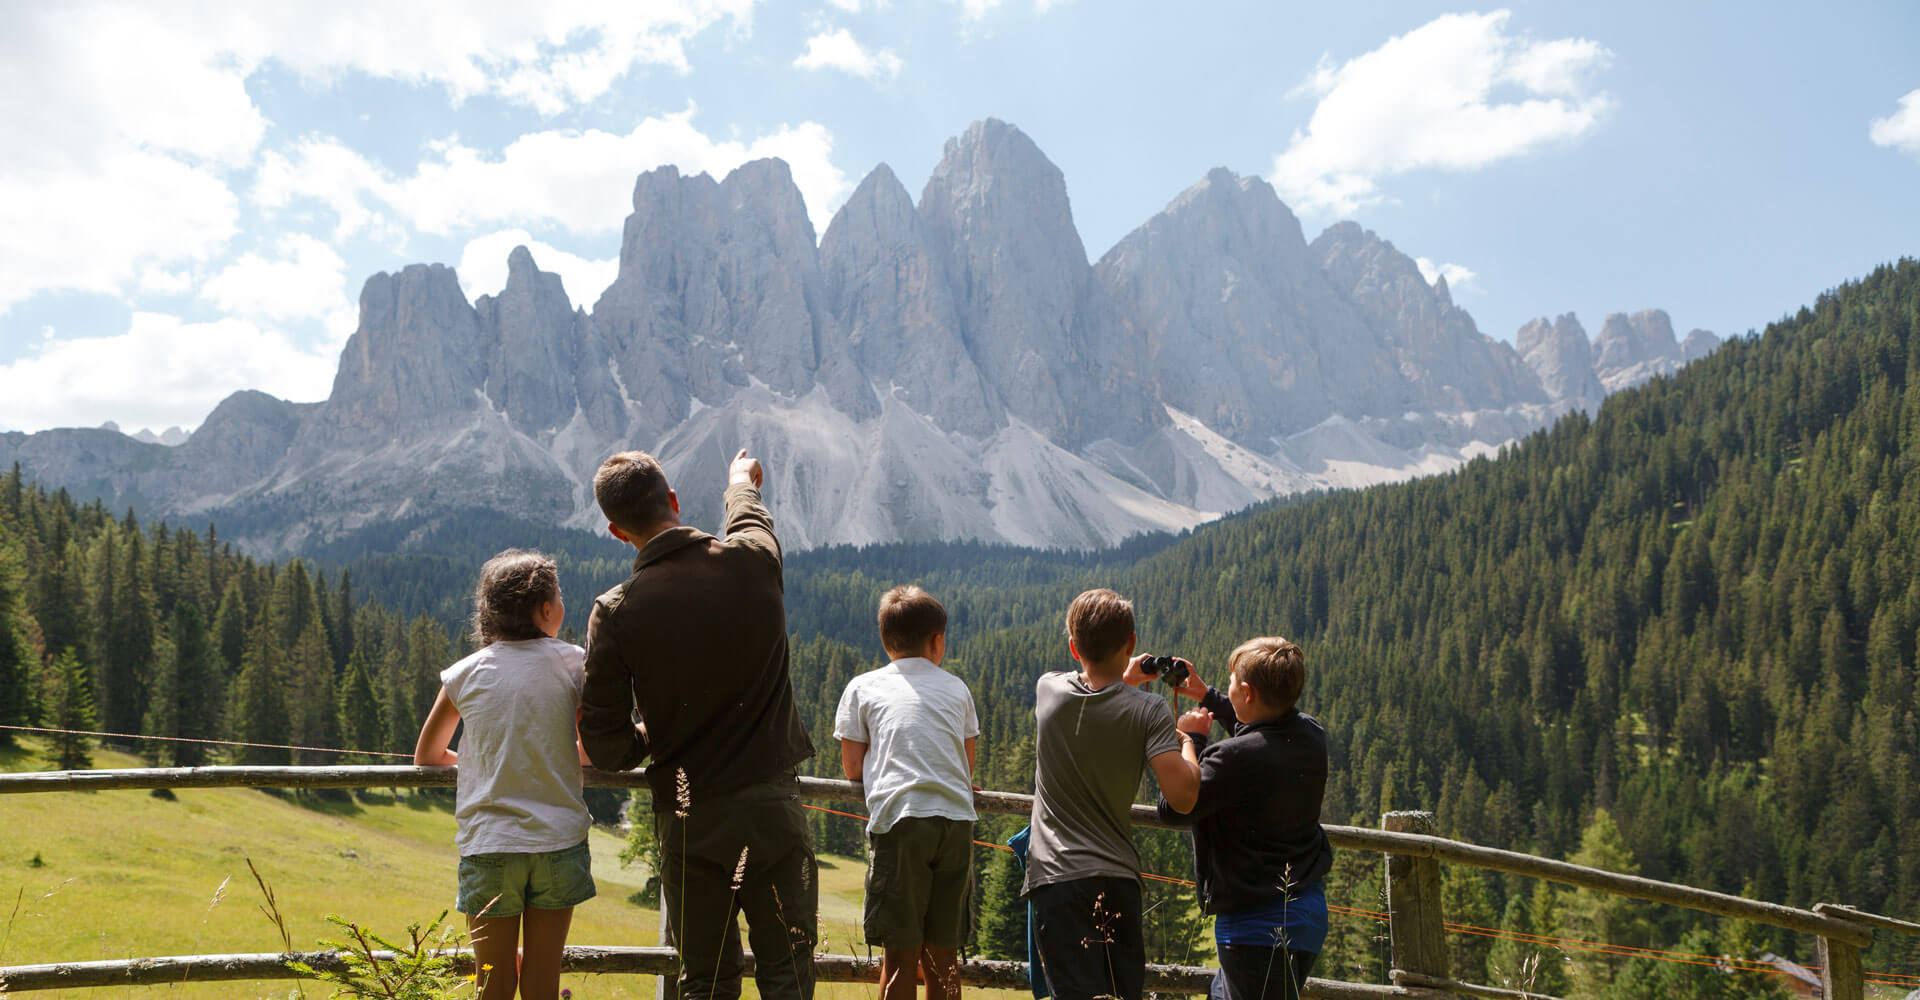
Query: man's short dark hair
<point x="909" y="619"/>
<point x="1099" y="622"/>
<point x="1273" y="667"/>
<point x="632" y="491"/>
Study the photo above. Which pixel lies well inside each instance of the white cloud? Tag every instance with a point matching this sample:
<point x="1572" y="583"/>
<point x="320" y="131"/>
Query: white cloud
<point x="1900" y="130"/>
<point x="579" y="180"/>
<point x="1457" y="93"/>
<point x="850" y="6"/>
<point x="123" y="122"/>
<point x="838" y="49"/>
<point x="974" y="10"/>
<point x="483" y="267"/>
<point x="1458" y="276"/>
<point x="163" y="371"/>
<point x="302" y="279"/>
<point x="101" y="226"/>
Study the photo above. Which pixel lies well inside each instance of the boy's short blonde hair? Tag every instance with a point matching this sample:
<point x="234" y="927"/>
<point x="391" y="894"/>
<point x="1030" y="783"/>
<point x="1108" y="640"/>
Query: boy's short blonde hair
<point x="1099" y="622"/>
<point x="1273" y="667"/>
<point x="909" y="619"/>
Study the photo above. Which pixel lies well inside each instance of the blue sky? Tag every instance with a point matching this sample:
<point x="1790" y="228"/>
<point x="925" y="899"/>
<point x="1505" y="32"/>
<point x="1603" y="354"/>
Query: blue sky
<point x="194" y="193"/>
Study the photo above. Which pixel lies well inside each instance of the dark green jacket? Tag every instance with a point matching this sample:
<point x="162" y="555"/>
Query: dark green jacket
<point x="697" y="640"/>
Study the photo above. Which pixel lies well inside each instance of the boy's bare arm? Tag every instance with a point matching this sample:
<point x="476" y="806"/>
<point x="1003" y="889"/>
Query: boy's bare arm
<point x="1179" y="776"/>
<point x="853" y="759"/>
<point x="973" y="743"/>
<point x="435" y="733"/>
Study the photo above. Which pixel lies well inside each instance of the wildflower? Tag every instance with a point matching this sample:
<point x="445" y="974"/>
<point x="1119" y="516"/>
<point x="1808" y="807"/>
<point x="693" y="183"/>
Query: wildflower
<point x="740" y="870"/>
<point x="682" y="793"/>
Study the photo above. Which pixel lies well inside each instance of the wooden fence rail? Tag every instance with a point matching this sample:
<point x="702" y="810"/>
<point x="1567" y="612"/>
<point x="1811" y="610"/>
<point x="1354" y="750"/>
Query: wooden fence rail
<point x="589" y="960"/>
<point x="1417" y="946"/>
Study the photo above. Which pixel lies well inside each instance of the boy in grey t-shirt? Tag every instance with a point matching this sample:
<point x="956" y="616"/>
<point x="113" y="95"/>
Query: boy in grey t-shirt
<point x="907" y="731"/>
<point x="1095" y="733"/>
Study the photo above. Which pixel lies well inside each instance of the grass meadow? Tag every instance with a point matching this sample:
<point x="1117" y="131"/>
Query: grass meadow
<point x="123" y="874"/>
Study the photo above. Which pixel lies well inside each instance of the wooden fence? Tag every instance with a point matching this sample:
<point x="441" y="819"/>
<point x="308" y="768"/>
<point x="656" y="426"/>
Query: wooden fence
<point x="1413" y="855"/>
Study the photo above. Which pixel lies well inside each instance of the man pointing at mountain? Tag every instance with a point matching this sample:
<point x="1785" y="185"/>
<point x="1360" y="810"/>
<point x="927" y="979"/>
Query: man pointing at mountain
<point x="687" y="665"/>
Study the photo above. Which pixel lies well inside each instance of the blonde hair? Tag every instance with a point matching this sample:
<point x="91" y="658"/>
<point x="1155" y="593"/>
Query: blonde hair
<point x="1273" y="667"/>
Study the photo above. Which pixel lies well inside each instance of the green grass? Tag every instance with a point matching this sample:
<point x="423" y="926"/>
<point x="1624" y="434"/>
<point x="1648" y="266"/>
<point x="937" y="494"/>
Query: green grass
<point x="124" y="874"/>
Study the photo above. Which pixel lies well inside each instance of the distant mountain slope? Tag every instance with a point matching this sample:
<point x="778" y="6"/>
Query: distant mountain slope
<point x="952" y="369"/>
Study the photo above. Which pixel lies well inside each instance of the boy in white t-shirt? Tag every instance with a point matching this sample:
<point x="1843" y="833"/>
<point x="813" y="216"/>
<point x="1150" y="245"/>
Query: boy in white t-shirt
<point x="907" y="730"/>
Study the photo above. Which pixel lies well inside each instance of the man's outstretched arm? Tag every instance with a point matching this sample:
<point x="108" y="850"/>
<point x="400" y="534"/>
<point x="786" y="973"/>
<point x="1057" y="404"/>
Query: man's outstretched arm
<point x="748" y="522"/>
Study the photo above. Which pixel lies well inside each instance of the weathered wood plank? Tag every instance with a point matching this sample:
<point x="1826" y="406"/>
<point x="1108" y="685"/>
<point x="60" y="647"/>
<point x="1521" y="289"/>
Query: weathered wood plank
<point x="583" y="959"/>
<point x="1863" y="917"/>
<point x="1841" y="975"/>
<point x="1418" y="928"/>
<point x="1402" y="977"/>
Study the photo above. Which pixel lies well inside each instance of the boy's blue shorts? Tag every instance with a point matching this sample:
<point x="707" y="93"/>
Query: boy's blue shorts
<point x="504" y="885"/>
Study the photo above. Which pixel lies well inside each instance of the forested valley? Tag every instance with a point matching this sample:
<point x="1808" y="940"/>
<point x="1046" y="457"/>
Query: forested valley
<point x="1677" y="638"/>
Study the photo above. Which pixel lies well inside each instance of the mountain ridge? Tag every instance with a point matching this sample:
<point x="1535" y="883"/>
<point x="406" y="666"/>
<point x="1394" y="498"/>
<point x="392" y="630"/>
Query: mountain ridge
<point x="948" y="369"/>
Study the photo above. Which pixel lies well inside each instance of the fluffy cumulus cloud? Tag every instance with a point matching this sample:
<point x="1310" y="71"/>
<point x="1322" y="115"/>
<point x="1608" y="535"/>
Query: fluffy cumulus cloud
<point x="483" y="267"/>
<point x="1458" y="93"/>
<point x="1459" y="276"/>
<point x="838" y="49"/>
<point x="298" y="278"/>
<point x="1900" y="130"/>
<point x="126" y="123"/>
<point x="161" y="372"/>
<point x="581" y="180"/>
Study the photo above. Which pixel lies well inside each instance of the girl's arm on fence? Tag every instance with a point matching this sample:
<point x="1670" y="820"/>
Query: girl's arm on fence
<point x="436" y="733"/>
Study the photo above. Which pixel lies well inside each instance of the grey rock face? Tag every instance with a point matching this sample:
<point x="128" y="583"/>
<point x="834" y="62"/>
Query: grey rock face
<point x="1559" y="353"/>
<point x="418" y="358"/>
<point x="1448" y="363"/>
<point x="1047" y="338"/>
<point x="1699" y="344"/>
<point x="548" y="362"/>
<point x="887" y="288"/>
<point x="1242" y="330"/>
<point x="720" y="285"/>
<point x="1632" y="348"/>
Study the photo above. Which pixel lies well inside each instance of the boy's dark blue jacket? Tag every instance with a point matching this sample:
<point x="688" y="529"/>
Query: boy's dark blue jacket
<point x="1256" y="825"/>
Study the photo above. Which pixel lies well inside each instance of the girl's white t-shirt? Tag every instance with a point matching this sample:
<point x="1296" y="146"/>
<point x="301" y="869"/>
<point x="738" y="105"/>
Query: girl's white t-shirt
<point x="518" y="789"/>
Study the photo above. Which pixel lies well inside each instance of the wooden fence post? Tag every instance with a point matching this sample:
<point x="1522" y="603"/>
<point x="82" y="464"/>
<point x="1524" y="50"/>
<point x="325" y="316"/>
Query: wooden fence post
<point x="1841" y="977"/>
<point x="1417" y="925"/>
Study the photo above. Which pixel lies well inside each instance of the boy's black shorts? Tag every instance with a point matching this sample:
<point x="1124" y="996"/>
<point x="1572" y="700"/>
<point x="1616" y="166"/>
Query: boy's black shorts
<point x="919" y="883"/>
<point x="1090" y="939"/>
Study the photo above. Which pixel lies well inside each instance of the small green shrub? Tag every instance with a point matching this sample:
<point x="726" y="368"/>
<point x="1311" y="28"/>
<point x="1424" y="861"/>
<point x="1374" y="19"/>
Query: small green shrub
<point x="421" y="967"/>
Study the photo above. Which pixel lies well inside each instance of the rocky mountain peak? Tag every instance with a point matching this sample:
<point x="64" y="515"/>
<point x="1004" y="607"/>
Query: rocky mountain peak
<point x="1699" y="344"/>
<point x="1451" y="365"/>
<point x="1056" y="350"/>
<point x="418" y="354"/>
<point x="886" y="287"/>
<point x="1560" y="355"/>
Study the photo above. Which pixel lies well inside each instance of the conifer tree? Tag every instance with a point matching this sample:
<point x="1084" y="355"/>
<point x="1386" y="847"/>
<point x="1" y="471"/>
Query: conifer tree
<point x="428" y="653"/>
<point x="259" y="707"/>
<point x="17" y="656"/>
<point x="199" y="687"/>
<point x="230" y="628"/>
<point x="360" y="724"/>
<point x="1003" y="914"/>
<point x="68" y="706"/>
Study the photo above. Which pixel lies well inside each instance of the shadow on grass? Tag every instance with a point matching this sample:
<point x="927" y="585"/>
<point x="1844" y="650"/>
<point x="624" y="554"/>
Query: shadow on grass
<point x="14" y="757"/>
<point x="821" y="862"/>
